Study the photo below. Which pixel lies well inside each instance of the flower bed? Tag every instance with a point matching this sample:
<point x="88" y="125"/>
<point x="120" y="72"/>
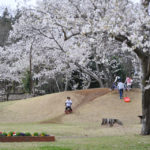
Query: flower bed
<point x="25" y="137"/>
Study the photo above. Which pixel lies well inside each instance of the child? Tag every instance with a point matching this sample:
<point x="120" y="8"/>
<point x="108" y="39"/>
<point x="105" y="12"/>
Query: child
<point x="68" y="103"/>
<point x="120" y="88"/>
<point x="129" y="83"/>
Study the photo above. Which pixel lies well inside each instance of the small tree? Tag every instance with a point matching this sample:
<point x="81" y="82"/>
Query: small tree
<point x="27" y="82"/>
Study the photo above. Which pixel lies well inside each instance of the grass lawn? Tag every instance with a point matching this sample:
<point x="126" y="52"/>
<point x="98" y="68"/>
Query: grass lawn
<point x="105" y="143"/>
<point x="74" y="137"/>
<point x="82" y="129"/>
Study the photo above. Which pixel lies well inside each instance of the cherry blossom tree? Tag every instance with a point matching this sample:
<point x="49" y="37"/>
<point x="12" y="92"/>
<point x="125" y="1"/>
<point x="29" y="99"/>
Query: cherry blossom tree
<point x="67" y="33"/>
<point x="75" y="30"/>
<point x="72" y="34"/>
<point x="122" y="21"/>
<point x="130" y="25"/>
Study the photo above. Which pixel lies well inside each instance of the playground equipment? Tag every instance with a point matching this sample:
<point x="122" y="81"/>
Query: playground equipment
<point x="127" y="99"/>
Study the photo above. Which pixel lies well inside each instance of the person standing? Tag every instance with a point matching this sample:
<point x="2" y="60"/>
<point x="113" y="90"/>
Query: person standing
<point x="129" y="83"/>
<point x="120" y="88"/>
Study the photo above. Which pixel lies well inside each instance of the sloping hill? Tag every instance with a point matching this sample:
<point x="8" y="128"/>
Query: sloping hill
<point x="89" y="106"/>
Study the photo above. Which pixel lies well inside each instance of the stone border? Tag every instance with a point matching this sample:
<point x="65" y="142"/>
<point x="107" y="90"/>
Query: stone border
<point x="27" y="139"/>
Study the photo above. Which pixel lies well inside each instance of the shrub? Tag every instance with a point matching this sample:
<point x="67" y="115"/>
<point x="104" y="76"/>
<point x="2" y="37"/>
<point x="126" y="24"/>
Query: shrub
<point x="35" y="134"/>
<point x="18" y="134"/>
<point x="10" y="133"/>
<point x="43" y="134"/>
<point x="27" y="134"/>
<point x="4" y="134"/>
<point x="27" y="81"/>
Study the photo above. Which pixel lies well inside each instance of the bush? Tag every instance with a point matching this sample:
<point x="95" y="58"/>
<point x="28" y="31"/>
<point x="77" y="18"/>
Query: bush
<point x="20" y="134"/>
<point x="43" y="134"/>
<point x="35" y="134"/>
<point x="27" y="81"/>
<point x="27" y="134"/>
<point x="10" y="133"/>
<point x="4" y="134"/>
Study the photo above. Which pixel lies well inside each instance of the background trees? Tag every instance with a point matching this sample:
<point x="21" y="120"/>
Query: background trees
<point x="72" y="41"/>
<point x="5" y="26"/>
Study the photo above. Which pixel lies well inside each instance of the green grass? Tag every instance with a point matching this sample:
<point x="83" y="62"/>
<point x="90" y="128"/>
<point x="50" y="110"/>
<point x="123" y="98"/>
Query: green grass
<point x="100" y="143"/>
<point x="53" y="148"/>
<point x="43" y="148"/>
<point x="76" y="137"/>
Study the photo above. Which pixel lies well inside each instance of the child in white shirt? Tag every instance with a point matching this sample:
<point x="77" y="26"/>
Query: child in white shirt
<point x="68" y="103"/>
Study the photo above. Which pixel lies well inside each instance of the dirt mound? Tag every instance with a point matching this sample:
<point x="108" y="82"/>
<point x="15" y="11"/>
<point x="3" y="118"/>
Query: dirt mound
<point x="89" y="106"/>
<point x="85" y="97"/>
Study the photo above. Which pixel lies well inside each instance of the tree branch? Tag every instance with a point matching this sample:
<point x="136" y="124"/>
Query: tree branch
<point x="138" y="51"/>
<point x="65" y="34"/>
<point x="41" y="33"/>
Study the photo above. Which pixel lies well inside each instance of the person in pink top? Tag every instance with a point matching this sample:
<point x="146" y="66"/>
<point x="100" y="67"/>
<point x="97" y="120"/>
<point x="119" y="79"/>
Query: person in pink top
<point x="128" y="83"/>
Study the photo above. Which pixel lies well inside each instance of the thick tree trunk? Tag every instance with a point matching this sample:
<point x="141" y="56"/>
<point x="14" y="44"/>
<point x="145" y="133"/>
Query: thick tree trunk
<point x="146" y="112"/>
<point x="145" y="63"/>
<point x="100" y="83"/>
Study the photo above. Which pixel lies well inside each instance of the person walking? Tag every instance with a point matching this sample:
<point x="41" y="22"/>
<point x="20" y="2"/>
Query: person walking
<point x="120" y="88"/>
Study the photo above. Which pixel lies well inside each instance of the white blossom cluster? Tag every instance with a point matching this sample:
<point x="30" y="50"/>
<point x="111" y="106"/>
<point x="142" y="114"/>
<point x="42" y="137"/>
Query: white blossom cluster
<point x="60" y="36"/>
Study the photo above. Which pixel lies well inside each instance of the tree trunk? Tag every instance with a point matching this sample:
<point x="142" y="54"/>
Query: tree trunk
<point x="145" y="64"/>
<point x="146" y="112"/>
<point x="7" y="96"/>
<point x="30" y="70"/>
<point x="57" y="84"/>
<point x="99" y="79"/>
<point x="100" y="83"/>
<point x="66" y="84"/>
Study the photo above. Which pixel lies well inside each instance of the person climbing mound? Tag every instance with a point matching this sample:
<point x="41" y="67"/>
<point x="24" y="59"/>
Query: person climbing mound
<point x="68" y="104"/>
<point x="120" y="88"/>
